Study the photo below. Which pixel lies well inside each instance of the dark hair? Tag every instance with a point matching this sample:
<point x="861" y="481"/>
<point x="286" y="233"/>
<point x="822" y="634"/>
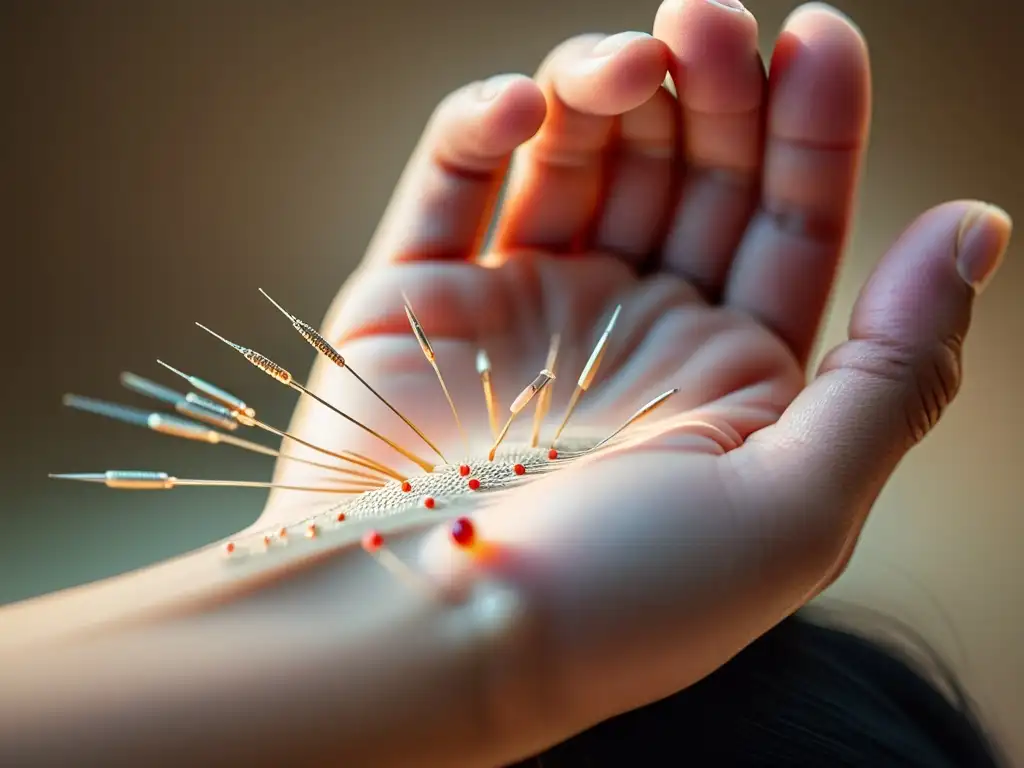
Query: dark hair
<point x="804" y="694"/>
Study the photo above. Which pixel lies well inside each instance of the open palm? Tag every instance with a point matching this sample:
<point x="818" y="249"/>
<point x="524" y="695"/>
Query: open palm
<point x="715" y="216"/>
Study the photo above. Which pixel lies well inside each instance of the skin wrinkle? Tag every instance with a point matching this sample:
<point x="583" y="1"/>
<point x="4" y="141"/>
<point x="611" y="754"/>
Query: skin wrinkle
<point x="642" y="151"/>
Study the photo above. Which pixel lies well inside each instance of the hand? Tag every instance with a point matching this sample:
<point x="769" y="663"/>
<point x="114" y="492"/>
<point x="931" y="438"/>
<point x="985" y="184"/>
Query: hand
<point x="716" y="218"/>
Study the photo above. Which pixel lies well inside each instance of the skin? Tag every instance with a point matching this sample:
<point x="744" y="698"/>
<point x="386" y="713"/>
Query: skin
<point x="716" y="217"/>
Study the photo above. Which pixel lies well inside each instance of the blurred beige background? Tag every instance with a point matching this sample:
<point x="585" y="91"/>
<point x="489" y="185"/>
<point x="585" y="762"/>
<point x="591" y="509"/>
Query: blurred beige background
<point x="163" y="159"/>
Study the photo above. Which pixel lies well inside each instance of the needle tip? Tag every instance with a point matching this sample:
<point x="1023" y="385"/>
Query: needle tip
<point x="219" y="337"/>
<point x="88" y="477"/>
<point x="483" y="362"/>
<point x="281" y="309"/>
<point x="615" y="316"/>
<point x="172" y="369"/>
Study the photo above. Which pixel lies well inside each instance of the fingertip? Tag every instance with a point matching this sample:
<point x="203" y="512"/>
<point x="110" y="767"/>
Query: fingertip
<point x="677" y="14"/>
<point x="515" y="107"/>
<point x="917" y="293"/>
<point x="819" y="15"/>
<point x="478" y="125"/>
<point x="982" y="241"/>
<point x="819" y="25"/>
<point x="511" y="90"/>
<point x="707" y="39"/>
<point x="611" y="75"/>
<point x="820" y="73"/>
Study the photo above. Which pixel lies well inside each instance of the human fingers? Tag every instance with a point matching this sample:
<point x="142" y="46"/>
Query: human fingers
<point x="641" y="181"/>
<point x="878" y="394"/>
<point x="631" y="607"/>
<point x="818" y="112"/>
<point x="557" y="179"/>
<point x="719" y="81"/>
<point x="442" y="204"/>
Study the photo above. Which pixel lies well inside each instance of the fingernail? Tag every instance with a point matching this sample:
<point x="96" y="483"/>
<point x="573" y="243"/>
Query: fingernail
<point x="732" y="5"/>
<point x="617" y="42"/>
<point x="493" y="87"/>
<point x="981" y="242"/>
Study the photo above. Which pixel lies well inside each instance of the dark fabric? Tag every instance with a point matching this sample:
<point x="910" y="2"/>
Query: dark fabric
<point x="802" y="695"/>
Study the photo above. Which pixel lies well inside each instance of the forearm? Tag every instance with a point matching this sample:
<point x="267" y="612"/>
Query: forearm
<point x="299" y="659"/>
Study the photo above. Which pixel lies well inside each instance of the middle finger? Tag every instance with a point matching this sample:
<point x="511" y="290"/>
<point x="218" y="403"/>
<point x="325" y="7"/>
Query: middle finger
<point x="720" y="84"/>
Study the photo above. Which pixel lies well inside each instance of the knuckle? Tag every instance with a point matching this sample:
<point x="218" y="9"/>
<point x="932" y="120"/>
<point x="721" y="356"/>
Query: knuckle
<point x="936" y="381"/>
<point x="928" y="376"/>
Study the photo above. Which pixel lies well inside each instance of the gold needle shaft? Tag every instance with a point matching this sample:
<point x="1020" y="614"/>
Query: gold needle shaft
<point x="324" y="347"/>
<point x="544" y="398"/>
<point x="352" y="458"/>
<point x="282" y="376"/>
<point x="190" y="430"/>
<point x="428" y="352"/>
<point x="246" y="416"/>
<point x="249" y="445"/>
<point x="483" y="367"/>
<point x="423" y="463"/>
<point x="589" y="372"/>
<point x="136" y="480"/>
<point x="543" y="378"/>
<point x="640" y="413"/>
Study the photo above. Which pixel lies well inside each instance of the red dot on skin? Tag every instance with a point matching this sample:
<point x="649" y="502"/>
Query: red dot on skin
<point x="372" y="541"/>
<point x="464" y="470"/>
<point x="552" y="454"/>
<point x="229" y="547"/>
<point x="406" y="486"/>
<point x="266" y="541"/>
<point x="474" y="484"/>
<point x="428" y="502"/>
<point x="463" y="533"/>
<point x="519" y="469"/>
<point x="341" y="517"/>
<point x="311" y="530"/>
<point x="283" y="533"/>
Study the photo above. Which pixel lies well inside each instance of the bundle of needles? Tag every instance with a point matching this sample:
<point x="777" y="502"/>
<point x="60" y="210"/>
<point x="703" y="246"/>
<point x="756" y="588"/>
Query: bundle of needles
<point x="371" y="489"/>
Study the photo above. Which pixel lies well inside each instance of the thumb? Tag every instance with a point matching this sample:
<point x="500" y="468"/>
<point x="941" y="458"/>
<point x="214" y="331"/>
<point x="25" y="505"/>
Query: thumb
<point x="878" y="394"/>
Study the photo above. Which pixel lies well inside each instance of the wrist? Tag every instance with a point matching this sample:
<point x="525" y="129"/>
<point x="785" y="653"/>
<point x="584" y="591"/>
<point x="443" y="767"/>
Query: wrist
<point x="313" y="656"/>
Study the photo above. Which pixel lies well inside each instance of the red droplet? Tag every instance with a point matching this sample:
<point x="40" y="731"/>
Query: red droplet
<point x="464" y="469"/>
<point x="283" y="533"/>
<point x="229" y="547"/>
<point x="463" y="532"/>
<point x="552" y="454"/>
<point x="406" y="486"/>
<point x="341" y="517"/>
<point x="311" y="530"/>
<point x="519" y="469"/>
<point x="372" y="541"/>
<point x="474" y="484"/>
<point x="266" y="541"/>
<point x="428" y="502"/>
